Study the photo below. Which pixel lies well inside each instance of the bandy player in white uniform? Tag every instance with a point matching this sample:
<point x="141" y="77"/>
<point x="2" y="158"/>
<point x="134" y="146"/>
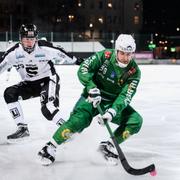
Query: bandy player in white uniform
<point x="32" y="58"/>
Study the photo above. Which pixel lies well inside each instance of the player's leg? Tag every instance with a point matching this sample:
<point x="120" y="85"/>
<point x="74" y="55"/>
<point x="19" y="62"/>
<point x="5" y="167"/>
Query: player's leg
<point x="50" y="100"/>
<point x="129" y="122"/>
<point x="80" y="119"/>
<point x="12" y="95"/>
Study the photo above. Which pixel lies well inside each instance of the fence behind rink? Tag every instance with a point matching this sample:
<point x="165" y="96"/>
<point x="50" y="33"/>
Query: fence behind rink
<point x="148" y="50"/>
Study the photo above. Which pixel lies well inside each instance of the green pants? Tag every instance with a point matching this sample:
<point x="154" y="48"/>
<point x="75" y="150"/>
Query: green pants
<point x="82" y="116"/>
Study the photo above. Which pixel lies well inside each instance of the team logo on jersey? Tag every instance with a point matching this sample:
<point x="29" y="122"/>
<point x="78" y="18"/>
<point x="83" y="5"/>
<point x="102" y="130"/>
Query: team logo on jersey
<point x="32" y="70"/>
<point x="131" y="71"/>
<point x="20" y="56"/>
<point x="107" y="54"/>
<point x="39" y="55"/>
<point x="113" y="74"/>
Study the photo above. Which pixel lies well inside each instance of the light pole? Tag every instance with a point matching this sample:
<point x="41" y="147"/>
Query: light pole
<point x="10" y="28"/>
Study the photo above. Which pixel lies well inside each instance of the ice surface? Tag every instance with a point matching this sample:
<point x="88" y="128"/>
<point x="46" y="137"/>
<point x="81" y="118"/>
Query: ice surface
<point x="157" y="100"/>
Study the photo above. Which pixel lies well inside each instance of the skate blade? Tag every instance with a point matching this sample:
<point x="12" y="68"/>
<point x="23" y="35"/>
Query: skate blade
<point x="44" y="161"/>
<point x="112" y="161"/>
<point x="19" y="140"/>
<point x="108" y="160"/>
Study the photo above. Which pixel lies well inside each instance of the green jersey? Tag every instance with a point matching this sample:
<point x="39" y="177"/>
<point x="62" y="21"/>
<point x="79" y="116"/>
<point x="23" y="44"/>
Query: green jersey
<point x="117" y="85"/>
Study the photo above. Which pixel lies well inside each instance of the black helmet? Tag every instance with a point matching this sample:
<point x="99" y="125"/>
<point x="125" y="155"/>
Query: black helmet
<point x="28" y="30"/>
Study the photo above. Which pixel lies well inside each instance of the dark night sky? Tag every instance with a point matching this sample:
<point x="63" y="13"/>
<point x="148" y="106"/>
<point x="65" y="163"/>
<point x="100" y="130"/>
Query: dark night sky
<point x="161" y="16"/>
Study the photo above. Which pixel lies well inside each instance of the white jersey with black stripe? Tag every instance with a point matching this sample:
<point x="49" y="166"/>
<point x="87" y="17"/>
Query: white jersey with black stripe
<point x="36" y="65"/>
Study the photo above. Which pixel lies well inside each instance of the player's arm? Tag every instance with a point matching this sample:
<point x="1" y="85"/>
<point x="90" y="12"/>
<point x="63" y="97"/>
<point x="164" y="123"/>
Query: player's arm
<point x="4" y="63"/>
<point x="126" y="94"/>
<point x="87" y="70"/>
<point x="59" y="55"/>
<point x="86" y="73"/>
<point x="68" y="58"/>
<point x="121" y="101"/>
<point x="7" y="59"/>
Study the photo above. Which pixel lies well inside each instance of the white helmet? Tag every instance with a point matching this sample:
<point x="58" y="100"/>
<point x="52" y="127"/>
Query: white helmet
<point x="125" y="43"/>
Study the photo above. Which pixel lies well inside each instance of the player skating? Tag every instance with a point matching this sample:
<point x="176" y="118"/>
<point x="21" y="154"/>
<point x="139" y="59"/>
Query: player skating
<point x="32" y="58"/>
<point x="110" y="78"/>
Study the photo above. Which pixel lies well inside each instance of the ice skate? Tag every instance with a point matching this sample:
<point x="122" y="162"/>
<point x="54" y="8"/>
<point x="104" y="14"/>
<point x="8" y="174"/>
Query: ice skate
<point x="108" y="151"/>
<point x="21" y="134"/>
<point x="47" y="154"/>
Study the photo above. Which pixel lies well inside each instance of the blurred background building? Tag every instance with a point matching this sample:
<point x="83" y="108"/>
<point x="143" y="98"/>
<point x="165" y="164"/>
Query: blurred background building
<point x="154" y="24"/>
<point x="98" y="16"/>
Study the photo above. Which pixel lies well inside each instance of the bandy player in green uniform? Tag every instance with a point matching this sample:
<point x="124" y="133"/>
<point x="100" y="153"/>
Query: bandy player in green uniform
<point x="110" y="78"/>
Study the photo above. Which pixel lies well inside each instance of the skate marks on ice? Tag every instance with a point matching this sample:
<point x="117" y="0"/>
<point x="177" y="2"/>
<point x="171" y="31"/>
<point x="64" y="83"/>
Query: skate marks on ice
<point x="157" y="100"/>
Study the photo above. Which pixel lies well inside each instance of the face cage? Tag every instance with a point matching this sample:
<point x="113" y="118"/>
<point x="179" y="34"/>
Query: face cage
<point x="28" y="49"/>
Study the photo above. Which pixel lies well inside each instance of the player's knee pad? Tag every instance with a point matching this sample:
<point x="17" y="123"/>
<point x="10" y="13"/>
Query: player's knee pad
<point x="66" y="134"/>
<point x="10" y="95"/>
<point x="126" y="134"/>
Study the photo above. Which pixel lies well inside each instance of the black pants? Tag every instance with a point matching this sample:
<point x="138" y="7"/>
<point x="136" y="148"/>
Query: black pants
<point x="47" y="89"/>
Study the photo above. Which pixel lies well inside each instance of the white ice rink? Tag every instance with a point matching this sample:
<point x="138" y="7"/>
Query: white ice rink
<point x="157" y="100"/>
